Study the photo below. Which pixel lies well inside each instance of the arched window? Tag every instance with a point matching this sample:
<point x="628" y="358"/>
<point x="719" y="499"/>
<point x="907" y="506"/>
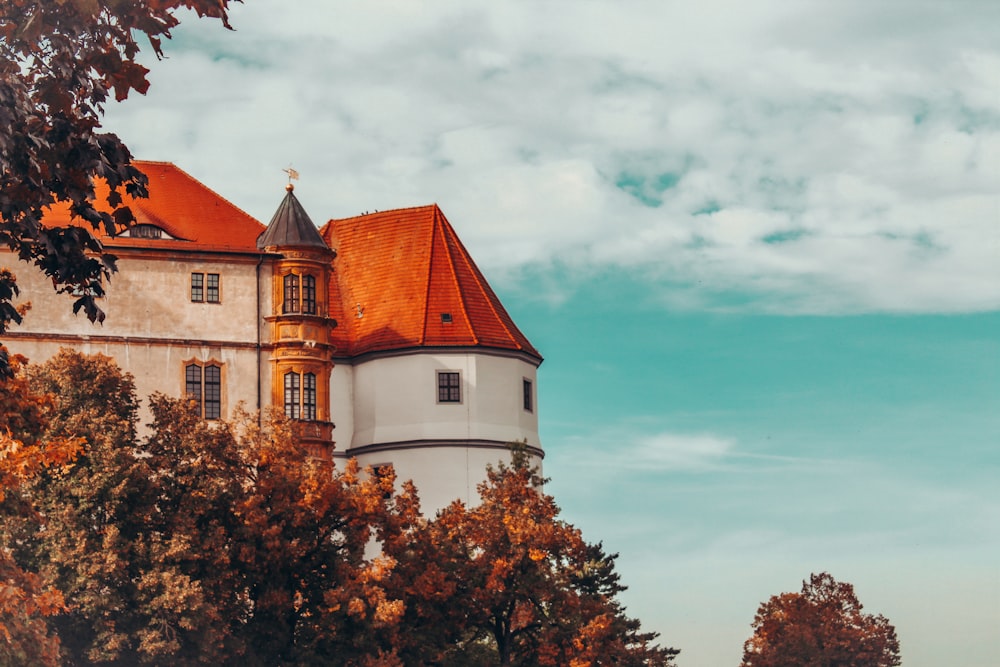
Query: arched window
<point x="300" y="396"/>
<point x="203" y="384"/>
<point x="292" y="395"/>
<point x="291" y="301"/>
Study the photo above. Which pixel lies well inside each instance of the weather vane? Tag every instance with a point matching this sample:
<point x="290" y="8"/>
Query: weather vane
<point x="293" y="175"/>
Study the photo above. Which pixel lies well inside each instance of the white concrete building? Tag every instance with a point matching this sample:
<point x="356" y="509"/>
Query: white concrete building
<point x="377" y="333"/>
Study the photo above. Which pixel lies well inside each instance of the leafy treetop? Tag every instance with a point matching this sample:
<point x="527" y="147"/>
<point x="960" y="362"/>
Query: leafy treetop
<point x="822" y="626"/>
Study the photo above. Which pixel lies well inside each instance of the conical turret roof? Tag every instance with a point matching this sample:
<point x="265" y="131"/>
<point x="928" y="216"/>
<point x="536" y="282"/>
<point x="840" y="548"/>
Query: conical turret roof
<point x="291" y="226"/>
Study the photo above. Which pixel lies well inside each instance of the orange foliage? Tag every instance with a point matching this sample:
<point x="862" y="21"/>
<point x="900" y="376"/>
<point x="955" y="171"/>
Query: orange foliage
<point x="822" y="625"/>
<point x="24" y="597"/>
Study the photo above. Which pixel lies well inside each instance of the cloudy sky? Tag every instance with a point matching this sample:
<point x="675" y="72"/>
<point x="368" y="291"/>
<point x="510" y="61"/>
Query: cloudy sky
<point x="758" y="244"/>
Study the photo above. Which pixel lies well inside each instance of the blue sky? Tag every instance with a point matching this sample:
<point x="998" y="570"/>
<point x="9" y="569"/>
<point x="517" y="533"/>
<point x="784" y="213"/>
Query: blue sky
<point x="757" y="243"/>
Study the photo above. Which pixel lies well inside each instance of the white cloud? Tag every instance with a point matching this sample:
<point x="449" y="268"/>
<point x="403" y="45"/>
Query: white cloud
<point x="672" y="139"/>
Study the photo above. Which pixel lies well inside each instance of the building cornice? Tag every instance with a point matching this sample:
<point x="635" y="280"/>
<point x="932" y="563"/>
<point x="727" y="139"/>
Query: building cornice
<point x="434" y="444"/>
<point x="437" y="349"/>
<point x="49" y="337"/>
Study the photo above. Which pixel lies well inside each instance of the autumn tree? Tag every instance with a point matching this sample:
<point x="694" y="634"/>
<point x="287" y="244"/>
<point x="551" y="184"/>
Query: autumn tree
<point x="25" y="599"/>
<point x="822" y="626"/>
<point x="205" y="542"/>
<point x="506" y="582"/>
<point x="60" y="61"/>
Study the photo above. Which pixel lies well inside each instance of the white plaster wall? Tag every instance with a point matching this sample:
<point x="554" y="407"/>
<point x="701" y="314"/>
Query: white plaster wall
<point x="159" y="368"/>
<point x="342" y="406"/>
<point x="151" y="325"/>
<point x="441" y="474"/>
<point x="151" y="297"/>
<point x="395" y="399"/>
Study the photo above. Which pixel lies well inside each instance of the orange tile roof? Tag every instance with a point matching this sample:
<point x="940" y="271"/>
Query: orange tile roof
<point x="397" y="272"/>
<point x="183" y="207"/>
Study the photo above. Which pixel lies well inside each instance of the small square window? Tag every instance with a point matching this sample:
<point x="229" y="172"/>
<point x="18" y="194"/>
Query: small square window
<point x="529" y="399"/>
<point x="449" y="387"/>
<point x="445" y="318"/>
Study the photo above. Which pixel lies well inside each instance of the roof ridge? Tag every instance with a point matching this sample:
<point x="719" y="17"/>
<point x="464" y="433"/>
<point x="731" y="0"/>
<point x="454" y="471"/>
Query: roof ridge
<point x="485" y="290"/>
<point x="199" y="183"/>
<point x="427" y="286"/>
<point x="387" y="211"/>
<point x="441" y="221"/>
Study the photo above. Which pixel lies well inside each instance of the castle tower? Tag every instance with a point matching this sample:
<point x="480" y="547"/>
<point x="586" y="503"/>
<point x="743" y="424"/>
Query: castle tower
<point x="300" y="322"/>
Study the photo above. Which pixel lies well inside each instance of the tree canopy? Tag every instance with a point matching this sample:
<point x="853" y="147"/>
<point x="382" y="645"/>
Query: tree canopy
<point x="506" y="582"/>
<point x="26" y="599"/>
<point x="821" y="626"/>
<point x="60" y="61"/>
<point x="225" y="543"/>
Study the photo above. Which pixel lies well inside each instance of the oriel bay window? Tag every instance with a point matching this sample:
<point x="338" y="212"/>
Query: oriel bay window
<point x="300" y="395"/>
<point x="299" y="294"/>
<point x="203" y="385"/>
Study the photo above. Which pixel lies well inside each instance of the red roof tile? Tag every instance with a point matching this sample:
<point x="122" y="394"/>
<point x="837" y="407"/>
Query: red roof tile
<point x="399" y="275"/>
<point x="182" y="207"/>
<point x="396" y="275"/>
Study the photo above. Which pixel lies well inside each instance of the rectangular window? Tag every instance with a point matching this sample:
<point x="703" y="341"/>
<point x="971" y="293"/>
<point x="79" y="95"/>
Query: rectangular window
<point x="529" y="402"/>
<point x="192" y="383"/>
<point x="145" y="231"/>
<point x="291" y="301"/>
<point x="213" y="392"/>
<point x="449" y="387"/>
<point x="212" y="291"/>
<point x="309" y="295"/>
<point x="292" y="394"/>
<point x="198" y="287"/>
<point x="309" y="396"/>
<point x="203" y="385"/>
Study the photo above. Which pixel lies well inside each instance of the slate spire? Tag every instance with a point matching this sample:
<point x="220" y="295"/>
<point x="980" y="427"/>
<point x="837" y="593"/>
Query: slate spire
<point x="291" y="226"/>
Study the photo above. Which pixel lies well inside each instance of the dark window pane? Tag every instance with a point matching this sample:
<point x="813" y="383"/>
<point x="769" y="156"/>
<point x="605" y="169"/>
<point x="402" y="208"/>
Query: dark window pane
<point x="192" y="383"/>
<point x="309" y="396"/>
<point x="291" y="302"/>
<point x="449" y="387"/>
<point x="146" y="232"/>
<point x="197" y="286"/>
<point x="529" y="404"/>
<point x="213" y="392"/>
<point x="309" y="295"/>
<point x="292" y="395"/>
<point x="212" y="293"/>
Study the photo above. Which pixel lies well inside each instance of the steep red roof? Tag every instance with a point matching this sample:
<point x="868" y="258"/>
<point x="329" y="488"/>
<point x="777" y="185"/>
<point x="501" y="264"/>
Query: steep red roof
<point x="181" y="206"/>
<point x="398" y="279"/>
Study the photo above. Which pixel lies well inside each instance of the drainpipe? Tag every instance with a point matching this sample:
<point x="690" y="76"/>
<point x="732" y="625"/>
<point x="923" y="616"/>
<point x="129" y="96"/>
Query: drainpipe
<point x="260" y="421"/>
